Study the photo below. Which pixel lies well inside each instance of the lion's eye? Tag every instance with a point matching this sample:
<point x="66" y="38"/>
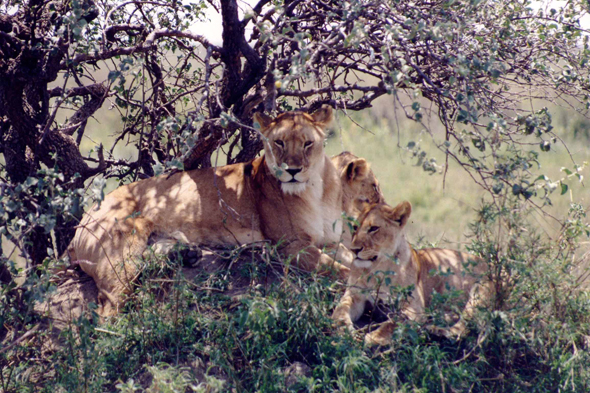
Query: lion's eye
<point x="280" y="143"/>
<point x="307" y="144"/>
<point x="373" y="229"/>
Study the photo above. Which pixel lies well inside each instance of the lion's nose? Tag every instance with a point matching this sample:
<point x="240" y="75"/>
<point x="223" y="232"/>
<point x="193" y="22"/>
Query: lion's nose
<point x="356" y="250"/>
<point x="293" y="171"/>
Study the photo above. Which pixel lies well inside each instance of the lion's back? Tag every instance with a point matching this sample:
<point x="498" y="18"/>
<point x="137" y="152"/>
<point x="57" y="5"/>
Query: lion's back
<point x="445" y="268"/>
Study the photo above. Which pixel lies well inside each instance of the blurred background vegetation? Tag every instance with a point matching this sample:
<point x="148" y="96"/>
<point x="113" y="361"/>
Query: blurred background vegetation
<point x="445" y="201"/>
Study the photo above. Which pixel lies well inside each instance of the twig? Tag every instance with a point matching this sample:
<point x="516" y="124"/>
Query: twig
<point x="101" y="330"/>
<point x="21" y="338"/>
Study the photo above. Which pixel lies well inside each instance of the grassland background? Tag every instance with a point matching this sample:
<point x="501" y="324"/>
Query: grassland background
<point x="443" y="207"/>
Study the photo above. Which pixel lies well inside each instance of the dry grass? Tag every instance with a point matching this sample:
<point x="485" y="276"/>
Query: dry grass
<point x="444" y="204"/>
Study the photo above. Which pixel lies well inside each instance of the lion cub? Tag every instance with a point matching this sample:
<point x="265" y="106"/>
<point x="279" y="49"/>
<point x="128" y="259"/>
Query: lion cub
<point x="381" y="247"/>
<point x="359" y="186"/>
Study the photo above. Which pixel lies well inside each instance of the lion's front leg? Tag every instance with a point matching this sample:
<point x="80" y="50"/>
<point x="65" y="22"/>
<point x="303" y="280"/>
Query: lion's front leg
<point x="310" y="258"/>
<point x="382" y="335"/>
<point x="340" y="253"/>
<point x="350" y="308"/>
<point x="327" y="264"/>
<point x="414" y="308"/>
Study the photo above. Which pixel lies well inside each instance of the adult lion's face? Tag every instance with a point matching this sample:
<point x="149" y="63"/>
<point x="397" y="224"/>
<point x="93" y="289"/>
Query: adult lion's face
<point x="294" y="146"/>
<point x="380" y="232"/>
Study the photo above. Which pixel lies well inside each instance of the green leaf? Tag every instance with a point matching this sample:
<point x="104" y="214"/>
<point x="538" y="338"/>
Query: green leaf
<point x="497" y="188"/>
<point x="176" y="164"/>
<point x="76" y="208"/>
<point x="31" y="181"/>
<point x="158" y="169"/>
<point x="114" y="75"/>
<point x="463" y="116"/>
<point x="11" y="206"/>
<point x="563" y="188"/>
<point x="516" y="189"/>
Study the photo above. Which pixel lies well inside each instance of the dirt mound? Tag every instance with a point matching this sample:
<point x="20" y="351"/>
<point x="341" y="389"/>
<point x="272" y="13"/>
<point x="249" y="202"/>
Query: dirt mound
<point x="75" y="291"/>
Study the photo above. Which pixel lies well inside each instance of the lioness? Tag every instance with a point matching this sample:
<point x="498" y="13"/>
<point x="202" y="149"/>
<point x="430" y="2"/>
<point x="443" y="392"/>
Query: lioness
<point x="359" y="185"/>
<point x="291" y="194"/>
<point x="380" y="247"/>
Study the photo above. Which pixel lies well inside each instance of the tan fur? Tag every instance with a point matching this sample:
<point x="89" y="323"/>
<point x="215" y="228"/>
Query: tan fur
<point x="229" y="205"/>
<point x="359" y="186"/>
<point x="380" y="246"/>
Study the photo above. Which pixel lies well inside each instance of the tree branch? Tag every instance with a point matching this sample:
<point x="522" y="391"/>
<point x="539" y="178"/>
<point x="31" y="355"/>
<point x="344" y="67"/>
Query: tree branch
<point x="142" y="47"/>
<point x="99" y="92"/>
<point x="330" y="89"/>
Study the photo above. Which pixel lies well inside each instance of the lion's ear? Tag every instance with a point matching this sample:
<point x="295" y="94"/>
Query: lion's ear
<point x="323" y="116"/>
<point x="356" y="168"/>
<point x="263" y="120"/>
<point x="400" y="214"/>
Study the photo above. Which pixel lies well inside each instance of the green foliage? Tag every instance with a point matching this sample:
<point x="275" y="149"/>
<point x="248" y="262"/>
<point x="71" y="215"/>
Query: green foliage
<point x="180" y="332"/>
<point x="38" y="202"/>
<point x="542" y="318"/>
